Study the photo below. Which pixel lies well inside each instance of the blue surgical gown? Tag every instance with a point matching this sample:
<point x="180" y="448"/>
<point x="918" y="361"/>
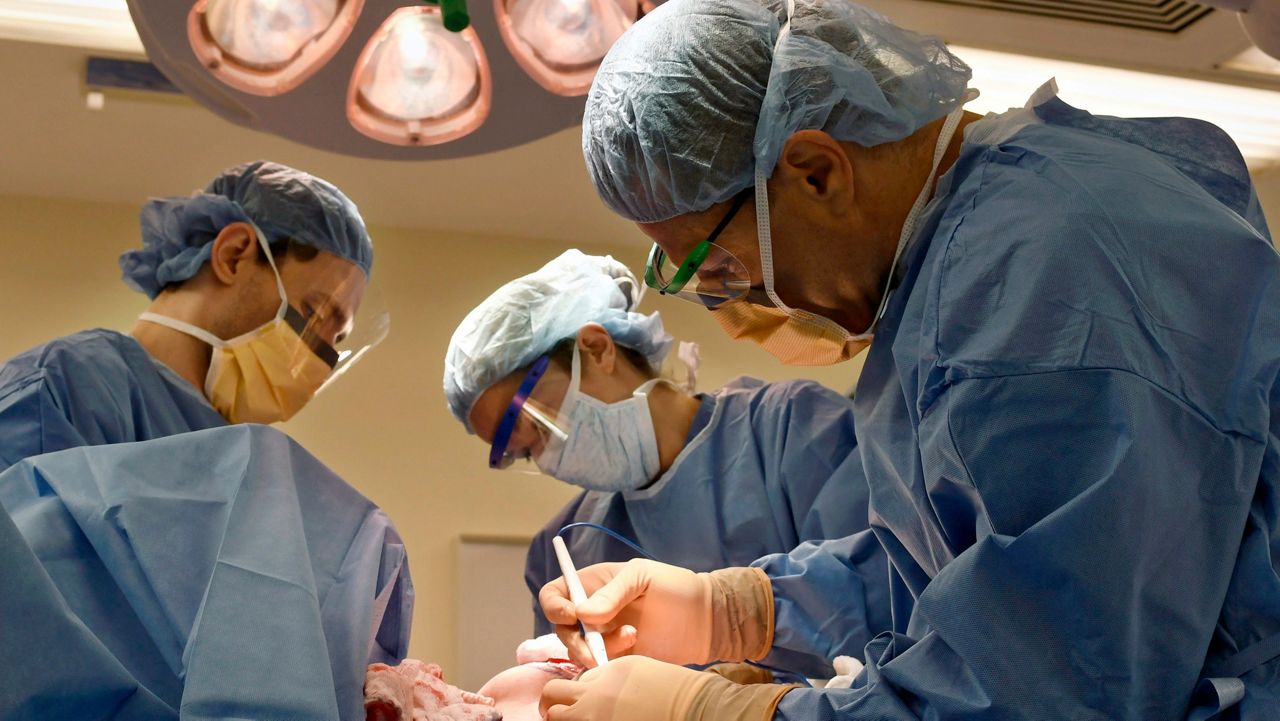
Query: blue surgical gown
<point x="1067" y="421"/>
<point x="767" y="466"/>
<point x="89" y="389"/>
<point x="216" y="574"/>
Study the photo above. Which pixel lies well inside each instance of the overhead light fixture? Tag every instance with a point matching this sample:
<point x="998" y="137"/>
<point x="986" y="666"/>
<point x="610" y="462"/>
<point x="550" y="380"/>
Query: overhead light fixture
<point x="560" y="43"/>
<point x="1254" y="62"/>
<point x="1260" y="20"/>
<point x="268" y="47"/>
<point x="387" y="78"/>
<point x="418" y="83"/>
<point x="318" y="112"/>
<point x="1251" y="116"/>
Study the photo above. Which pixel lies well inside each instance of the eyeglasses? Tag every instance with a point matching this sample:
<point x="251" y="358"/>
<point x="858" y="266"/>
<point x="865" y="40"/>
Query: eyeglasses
<point x="531" y="416"/>
<point x="710" y="275"/>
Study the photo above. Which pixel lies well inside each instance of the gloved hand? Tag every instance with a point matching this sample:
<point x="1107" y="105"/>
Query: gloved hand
<point x="642" y="689"/>
<point x="665" y="612"/>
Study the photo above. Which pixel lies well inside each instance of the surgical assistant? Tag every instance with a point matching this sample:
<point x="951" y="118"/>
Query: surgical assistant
<point x="100" y="386"/>
<point x="703" y="481"/>
<point x="158" y="538"/>
<point x="1066" y="409"/>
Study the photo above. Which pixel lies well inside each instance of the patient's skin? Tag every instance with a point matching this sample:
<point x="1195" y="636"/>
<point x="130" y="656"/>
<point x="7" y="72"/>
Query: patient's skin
<point x="516" y="691"/>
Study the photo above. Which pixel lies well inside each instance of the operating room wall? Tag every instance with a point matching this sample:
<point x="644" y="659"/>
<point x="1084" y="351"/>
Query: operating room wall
<point x="384" y="427"/>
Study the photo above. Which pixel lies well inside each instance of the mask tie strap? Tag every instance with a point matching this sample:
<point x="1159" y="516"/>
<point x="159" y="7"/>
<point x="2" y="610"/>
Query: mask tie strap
<point x="184" y="327"/>
<point x="909" y="225"/>
<point x="271" y="261"/>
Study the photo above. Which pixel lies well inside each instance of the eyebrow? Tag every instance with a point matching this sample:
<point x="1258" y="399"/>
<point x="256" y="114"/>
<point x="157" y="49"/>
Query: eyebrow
<point x="326" y="302"/>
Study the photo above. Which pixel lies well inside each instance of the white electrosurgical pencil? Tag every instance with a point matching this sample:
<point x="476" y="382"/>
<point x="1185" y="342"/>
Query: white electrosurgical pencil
<point x="578" y="595"/>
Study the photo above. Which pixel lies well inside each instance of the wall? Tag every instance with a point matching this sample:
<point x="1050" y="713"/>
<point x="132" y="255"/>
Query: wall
<point x="384" y="427"/>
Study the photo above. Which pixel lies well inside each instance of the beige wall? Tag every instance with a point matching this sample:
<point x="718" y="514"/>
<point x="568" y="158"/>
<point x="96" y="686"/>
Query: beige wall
<point x="384" y="427"/>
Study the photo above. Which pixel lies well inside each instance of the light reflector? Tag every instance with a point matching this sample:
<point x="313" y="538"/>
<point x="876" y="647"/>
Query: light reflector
<point x="268" y="47"/>
<point x="560" y="43"/>
<point x="417" y="83"/>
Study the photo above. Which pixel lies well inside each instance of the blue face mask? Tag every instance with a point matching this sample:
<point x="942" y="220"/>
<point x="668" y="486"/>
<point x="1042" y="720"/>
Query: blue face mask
<point x="609" y="446"/>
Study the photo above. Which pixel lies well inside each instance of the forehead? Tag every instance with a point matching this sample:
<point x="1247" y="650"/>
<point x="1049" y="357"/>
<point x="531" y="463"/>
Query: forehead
<point x="337" y="278"/>
<point x="492" y="403"/>
<point x="679" y="235"/>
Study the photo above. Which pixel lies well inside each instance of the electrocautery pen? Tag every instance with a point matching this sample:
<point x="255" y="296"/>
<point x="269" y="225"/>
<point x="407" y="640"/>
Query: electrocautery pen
<point x="578" y="595"/>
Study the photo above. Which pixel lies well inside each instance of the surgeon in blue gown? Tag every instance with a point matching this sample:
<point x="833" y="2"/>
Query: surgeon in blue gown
<point x="201" y="264"/>
<point x="1067" y="414"/>
<point x="175" y="570"/>
<point x="749" y="469"/>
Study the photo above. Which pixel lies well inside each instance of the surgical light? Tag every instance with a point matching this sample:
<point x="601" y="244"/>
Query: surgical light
<point x="560" y="43"/>
<point x="418" y="83"/>
<point x="521" y="109"/>
<point x="374" y="78"/>
<point x="268" y="47"/>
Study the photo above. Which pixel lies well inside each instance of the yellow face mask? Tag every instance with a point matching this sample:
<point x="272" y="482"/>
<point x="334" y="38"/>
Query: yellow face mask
<point x="266" y="375"/>
<point x="793" y="338"/>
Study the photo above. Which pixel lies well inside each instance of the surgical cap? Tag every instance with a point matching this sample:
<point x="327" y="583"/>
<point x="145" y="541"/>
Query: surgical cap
<point x="178" y="233"/>
<point x="525" y="318"/>
<point x="694" y="96"/>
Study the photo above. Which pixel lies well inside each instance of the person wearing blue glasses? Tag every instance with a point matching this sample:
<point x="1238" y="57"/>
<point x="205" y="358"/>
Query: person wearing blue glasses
<point x="1069" y="413"/>
<point x="558" y="372"/>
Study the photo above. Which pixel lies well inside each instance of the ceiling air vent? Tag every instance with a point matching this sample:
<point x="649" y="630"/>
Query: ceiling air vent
<point x="1169" y="16"/>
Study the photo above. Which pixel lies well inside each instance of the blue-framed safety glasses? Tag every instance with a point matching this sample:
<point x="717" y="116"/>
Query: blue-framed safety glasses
<point x="532" y="422"/>
<point x="709" y="275"/>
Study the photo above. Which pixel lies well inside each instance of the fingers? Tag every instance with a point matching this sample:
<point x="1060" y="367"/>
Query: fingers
<point x="559" y="693"/>
<point x="629" y="584"/>
<point x="620" y="641"/>
<point x="556" y="606"/>
<point x="572" y="639"/>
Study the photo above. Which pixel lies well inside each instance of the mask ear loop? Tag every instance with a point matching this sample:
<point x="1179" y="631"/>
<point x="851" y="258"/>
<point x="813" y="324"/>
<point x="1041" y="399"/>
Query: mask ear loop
<point x="575" y="383"/>
<point x="764" y="233"/>
<point x="271" y="261"/>
<point x="909" y="225"/>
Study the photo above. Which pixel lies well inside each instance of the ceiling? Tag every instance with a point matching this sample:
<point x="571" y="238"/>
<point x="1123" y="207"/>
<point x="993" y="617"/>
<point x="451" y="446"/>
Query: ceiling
<point x="140" y="145"/>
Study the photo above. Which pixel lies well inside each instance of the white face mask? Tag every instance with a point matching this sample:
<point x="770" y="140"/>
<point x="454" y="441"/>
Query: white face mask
<point x="610" y="446"/>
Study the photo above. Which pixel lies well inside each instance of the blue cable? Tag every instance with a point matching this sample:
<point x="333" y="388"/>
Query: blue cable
<point x="612" y="534"/>
<point x="777" y="672"/>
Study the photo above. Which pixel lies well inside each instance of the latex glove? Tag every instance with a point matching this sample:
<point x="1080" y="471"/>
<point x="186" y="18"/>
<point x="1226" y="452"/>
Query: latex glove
<point x="642" y="689"/>
<point x="665" y="612"/>
<point x="847" y="669"/>
<point x="741" y="672"/>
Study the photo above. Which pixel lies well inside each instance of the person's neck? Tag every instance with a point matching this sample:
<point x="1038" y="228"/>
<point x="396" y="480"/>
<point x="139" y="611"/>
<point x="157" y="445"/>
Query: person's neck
<point x="181" y="353"/>
<point x="892" y="203"/>
<point x="952" y="153"/>
<point x="673" y="412"/>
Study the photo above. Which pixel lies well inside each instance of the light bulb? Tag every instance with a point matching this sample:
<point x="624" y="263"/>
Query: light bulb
<point x="267" y="34"/>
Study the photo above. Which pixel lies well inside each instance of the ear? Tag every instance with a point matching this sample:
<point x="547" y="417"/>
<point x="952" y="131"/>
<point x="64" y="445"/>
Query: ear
<point x="234" y="250"/>
<point x="815" y="165"/>
<point x="597" y="348"/>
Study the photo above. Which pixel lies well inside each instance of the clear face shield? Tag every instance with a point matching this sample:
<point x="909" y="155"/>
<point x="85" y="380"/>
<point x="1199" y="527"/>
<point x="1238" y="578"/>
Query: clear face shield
<point x="340" y="317"/>
<point x="536" y="421"/>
